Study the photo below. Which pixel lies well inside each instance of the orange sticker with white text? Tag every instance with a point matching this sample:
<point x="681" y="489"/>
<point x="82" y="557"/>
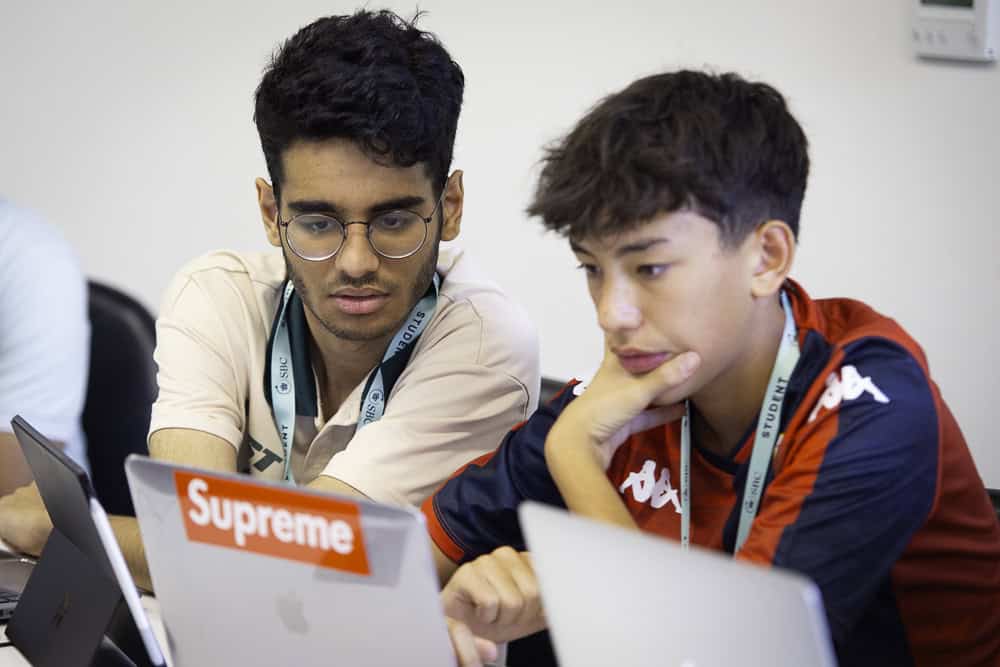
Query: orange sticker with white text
<point x="283" y="523"/>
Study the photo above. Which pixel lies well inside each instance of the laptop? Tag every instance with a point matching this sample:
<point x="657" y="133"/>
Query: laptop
<point x="255" y="573"/>
<point x="79" y="595"/>
<point x="14" y="573"/>
<point x="616" y="597"/>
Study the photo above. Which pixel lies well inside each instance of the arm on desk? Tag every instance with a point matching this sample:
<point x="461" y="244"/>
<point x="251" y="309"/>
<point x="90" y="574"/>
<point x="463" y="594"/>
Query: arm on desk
<point x="24" y="523"/>
<point x="14" y="470"/>
<point x="176" y="445"/>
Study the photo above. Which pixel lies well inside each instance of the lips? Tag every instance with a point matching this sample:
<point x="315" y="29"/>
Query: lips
<point x="637" y="362"/>
<point x="351" y="301"/>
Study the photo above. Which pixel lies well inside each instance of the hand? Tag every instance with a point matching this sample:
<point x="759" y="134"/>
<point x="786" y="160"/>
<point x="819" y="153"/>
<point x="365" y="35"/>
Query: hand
<point x="496" y="596"/>
<point x="617" y="404"/>
<point x="470" y="650"/>
<point x="24" y="523"/>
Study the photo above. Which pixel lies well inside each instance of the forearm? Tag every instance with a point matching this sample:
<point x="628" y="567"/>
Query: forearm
<point x="193" y="448"/>
<point x="445" y="566"/>
<point x="14" y="471"/>
<point x="576" y="467"/>
<point x="129" y="538"/>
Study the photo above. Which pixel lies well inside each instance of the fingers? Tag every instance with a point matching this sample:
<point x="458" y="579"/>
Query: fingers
<point x="669" y="375"/>
<point x="644" y="421"/>
<point x="657" y="416"/>
<point x="470" y="650"/>
<point x="496" y="595"/>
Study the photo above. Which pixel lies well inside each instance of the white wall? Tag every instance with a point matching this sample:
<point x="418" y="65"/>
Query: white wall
<point x="129" y="124"/>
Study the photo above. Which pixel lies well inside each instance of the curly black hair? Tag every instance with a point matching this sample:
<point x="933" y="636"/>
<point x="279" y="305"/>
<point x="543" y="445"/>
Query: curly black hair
<point x="722" y="146"/>
<point x="372" y="78"/>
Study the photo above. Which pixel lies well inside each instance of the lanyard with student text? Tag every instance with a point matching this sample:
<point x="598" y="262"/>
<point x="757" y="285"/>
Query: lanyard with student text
<point x="764" y="442"/>
<point x="374" y="397"/>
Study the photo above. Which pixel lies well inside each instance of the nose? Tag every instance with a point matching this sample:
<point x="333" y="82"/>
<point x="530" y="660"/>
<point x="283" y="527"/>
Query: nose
<point x="356" y="257"/>
<point x="617" y="308"/>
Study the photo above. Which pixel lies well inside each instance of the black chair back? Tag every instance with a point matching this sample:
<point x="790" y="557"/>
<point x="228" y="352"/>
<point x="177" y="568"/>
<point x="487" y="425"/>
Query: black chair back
<point x="995" y="497"/>
<point x="121" y="388"/>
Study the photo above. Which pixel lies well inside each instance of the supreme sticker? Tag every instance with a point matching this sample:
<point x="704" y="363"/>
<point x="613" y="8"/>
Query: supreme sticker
<point x="283" y="523"/>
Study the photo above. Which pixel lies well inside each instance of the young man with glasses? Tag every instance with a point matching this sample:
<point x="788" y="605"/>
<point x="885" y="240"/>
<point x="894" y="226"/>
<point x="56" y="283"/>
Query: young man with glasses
<point x="360" y="358"/>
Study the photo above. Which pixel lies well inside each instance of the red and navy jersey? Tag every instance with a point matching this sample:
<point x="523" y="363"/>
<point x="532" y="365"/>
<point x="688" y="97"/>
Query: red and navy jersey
<point x="872" y="493"/>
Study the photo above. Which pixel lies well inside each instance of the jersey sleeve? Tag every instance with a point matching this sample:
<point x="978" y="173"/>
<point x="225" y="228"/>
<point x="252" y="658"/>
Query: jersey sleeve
<point x="858" y="479"/>
<point x="475" y="511"/>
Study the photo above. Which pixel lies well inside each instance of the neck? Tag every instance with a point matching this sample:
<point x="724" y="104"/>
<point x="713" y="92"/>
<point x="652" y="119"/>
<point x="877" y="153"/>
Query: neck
<point x="341" y="364"/>
<point x="726" y="407"/>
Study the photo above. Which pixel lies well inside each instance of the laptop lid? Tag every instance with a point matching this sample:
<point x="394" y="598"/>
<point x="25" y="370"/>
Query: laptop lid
<point x="74" y="594"/>
<point x="616" y="597"/>
<point x="253" y="572"/>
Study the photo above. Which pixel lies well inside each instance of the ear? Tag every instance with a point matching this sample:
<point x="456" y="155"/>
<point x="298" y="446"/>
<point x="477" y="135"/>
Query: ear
<point x="268" y="211"/>
<point x="772" y="254"/>
<point x="451" y="206"/>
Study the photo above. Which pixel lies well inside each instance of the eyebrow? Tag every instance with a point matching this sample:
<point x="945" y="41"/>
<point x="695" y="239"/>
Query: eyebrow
<point x="405" y="202"/>
<point x="630" y="248"/>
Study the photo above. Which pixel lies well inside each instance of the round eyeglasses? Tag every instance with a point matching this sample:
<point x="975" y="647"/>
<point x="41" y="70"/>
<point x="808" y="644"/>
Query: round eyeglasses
<point x="394" y="234"/>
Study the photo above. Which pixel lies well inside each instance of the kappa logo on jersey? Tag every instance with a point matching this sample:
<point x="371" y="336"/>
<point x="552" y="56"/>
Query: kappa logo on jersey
<point x="646" y="487"/>
<point x="283" y="523"/>
<point x="848" y="386"/>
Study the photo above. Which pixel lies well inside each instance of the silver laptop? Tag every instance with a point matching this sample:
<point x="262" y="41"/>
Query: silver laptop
<point x="614" y="597"/>
<point x="257" y="573"/>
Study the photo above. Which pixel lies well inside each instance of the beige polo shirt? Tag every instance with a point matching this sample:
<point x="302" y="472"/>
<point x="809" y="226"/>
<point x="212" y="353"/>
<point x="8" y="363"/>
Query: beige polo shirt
<point x="473" y="375"/>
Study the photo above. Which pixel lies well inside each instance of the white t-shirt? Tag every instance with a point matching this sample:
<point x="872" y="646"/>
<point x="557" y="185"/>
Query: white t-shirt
<point x="44" y="330"/>
<point x="472" y="376"/>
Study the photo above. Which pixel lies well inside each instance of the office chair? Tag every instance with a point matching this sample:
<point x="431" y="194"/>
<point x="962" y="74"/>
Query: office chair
<point x="121" y="388"/>
<point x="995" y="497"/>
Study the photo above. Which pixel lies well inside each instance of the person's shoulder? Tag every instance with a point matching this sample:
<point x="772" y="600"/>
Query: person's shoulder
<point x="469" y="298"/>
<point x="229" y="266"/>
<point x="27" y="235"/>
<point x="872" y="365"/>
<point x="858" y="357"/>
<point x="29" y="242"/>
<point x="850" y="327"/>
<point x="228" y="277"/>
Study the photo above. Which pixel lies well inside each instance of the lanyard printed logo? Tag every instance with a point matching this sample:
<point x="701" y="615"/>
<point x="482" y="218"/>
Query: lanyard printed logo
<point x="380" y="383"/>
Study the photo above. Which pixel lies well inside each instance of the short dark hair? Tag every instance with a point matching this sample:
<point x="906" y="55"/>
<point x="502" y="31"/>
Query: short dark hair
<point x="722" y="146"/>
<point x="372" y="78"/>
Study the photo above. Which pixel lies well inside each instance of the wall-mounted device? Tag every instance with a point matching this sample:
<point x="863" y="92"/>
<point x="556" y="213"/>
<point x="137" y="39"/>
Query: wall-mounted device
<point x="957" y="29"/>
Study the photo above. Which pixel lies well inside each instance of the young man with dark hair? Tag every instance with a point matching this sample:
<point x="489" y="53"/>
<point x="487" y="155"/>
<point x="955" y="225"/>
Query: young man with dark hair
<point x="732" y="411"/>
<point x="360" y="358"/>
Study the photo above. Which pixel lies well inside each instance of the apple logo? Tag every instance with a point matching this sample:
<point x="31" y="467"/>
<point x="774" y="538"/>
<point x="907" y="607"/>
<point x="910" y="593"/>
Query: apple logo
<point x="291" y="612"/>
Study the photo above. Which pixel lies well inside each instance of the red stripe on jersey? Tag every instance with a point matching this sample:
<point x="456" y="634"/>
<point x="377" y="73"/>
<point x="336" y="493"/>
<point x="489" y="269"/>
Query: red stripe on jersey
<point x="437" y="532"/>
<point x="792" y="484"/>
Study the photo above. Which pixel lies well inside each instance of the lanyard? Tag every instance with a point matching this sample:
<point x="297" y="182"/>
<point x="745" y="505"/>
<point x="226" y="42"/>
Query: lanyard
<point x="764" y="442"/>
<point x="374" y="396"/>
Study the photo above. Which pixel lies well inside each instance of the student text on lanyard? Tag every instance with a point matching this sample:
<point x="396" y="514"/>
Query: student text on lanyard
<point x="764" y="442"/>
<point x="373" y="398"/>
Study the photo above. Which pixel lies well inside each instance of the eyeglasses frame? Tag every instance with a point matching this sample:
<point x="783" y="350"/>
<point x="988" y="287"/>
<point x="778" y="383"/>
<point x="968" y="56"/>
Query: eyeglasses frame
<point x="368" y="231"/>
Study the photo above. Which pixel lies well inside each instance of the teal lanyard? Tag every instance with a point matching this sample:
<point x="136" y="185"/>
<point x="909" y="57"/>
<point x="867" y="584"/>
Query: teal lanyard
<point x="764" y="442"/>
<point x="374" y="398"/>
